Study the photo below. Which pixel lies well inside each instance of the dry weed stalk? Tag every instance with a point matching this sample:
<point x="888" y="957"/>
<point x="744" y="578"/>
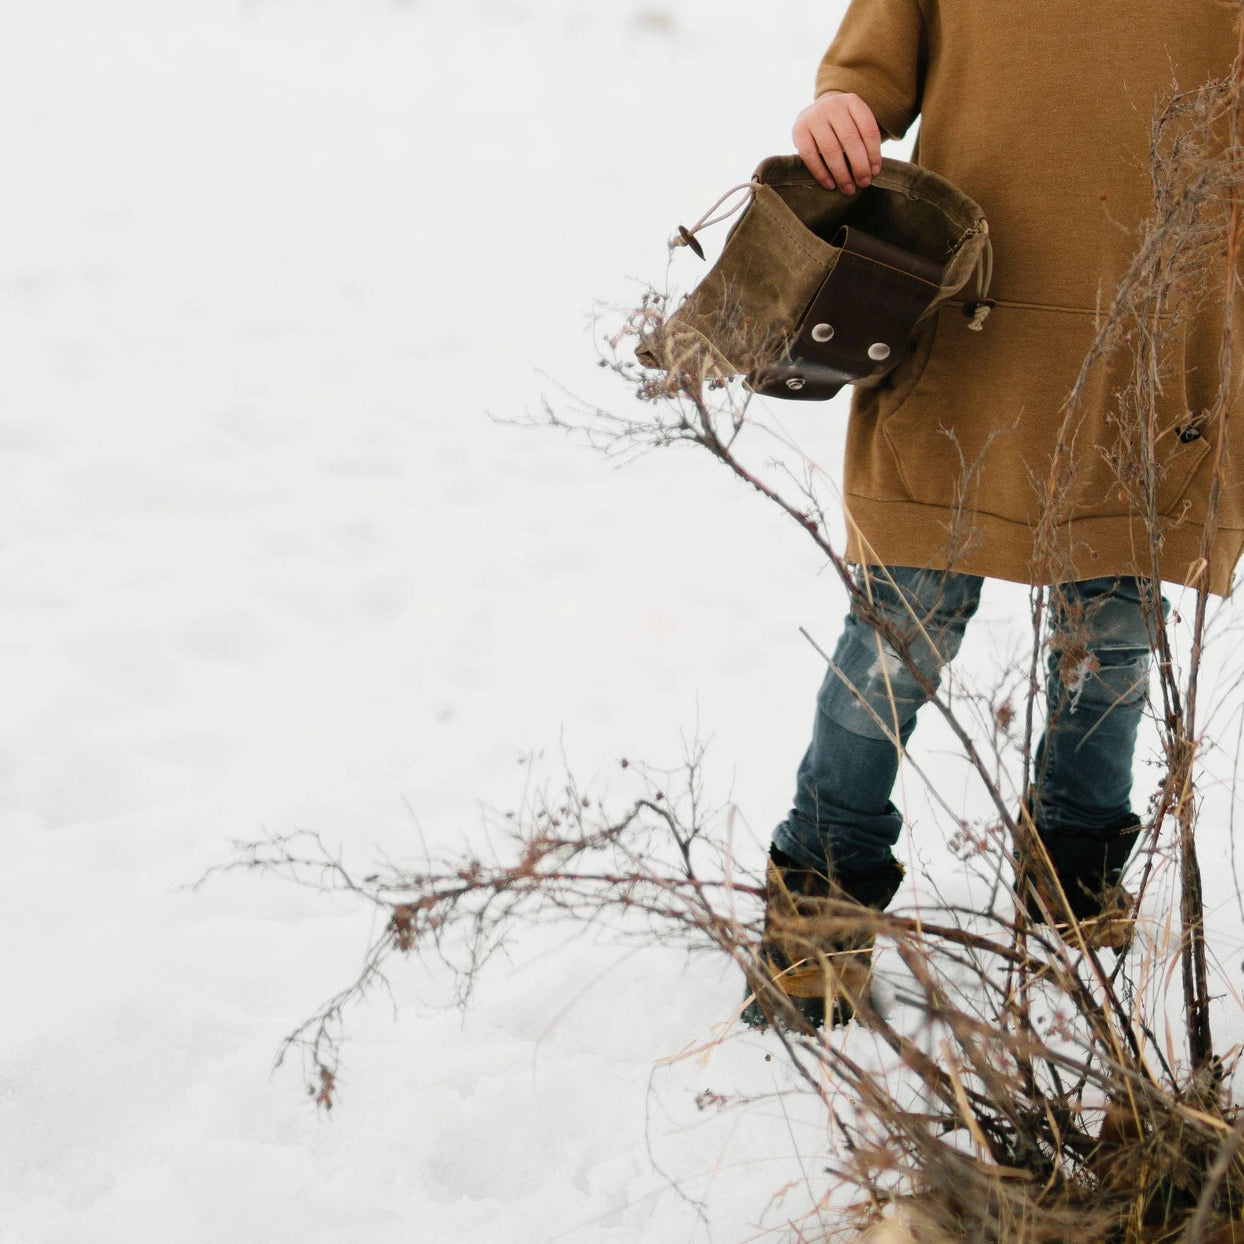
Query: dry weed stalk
<point x="1188" y="253"/>
<point x="1022" y="1089"/>
<point x="1040" y="1133"/>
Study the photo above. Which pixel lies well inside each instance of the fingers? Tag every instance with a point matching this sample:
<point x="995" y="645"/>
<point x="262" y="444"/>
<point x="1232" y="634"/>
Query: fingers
<point x="838" y="138"/>
<point x="834" y="152"/>
<point x="867" y="129"/>
<point x="810" y="154"/>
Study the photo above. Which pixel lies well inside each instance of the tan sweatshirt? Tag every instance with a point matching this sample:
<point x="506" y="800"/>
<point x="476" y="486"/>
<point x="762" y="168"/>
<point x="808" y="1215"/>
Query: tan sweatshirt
<point x="1041" y="112"/>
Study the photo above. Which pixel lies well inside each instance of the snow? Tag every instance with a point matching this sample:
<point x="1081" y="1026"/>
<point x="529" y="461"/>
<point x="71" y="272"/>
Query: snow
<point x="268" y="564"/>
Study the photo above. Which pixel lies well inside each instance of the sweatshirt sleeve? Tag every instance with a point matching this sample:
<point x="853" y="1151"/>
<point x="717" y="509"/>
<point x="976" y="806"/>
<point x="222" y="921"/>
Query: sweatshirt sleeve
<point x="879" y="54"/>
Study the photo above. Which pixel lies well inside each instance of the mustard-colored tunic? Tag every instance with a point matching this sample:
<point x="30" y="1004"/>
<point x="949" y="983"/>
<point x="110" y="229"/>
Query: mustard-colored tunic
<point x="1040" y="111"/>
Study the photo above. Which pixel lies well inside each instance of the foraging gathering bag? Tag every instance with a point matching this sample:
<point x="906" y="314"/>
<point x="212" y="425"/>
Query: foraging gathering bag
<point x="815" y="289"/>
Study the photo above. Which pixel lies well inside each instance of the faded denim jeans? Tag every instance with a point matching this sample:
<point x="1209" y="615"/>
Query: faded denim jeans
<point x="1096" y="687"/>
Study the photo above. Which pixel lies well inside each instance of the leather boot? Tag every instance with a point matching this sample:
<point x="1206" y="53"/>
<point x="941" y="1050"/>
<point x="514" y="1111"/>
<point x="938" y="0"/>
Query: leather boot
<point x="813" y="951"/>
<point x="1088" y="868"/>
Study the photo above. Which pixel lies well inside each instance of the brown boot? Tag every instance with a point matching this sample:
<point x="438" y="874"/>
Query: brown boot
<point x="1088" y="871"/>
<point x="814" y="951"/>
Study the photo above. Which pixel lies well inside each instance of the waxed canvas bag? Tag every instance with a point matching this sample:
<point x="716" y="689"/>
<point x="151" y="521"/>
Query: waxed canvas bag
<point x="815" y="289"/>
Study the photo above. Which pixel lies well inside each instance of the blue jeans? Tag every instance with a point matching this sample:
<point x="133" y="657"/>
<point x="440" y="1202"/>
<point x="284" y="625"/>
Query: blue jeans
<point x="1096" y="686"/>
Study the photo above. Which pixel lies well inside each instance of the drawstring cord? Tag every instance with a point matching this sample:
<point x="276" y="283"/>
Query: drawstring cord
<point x="980" y="308"/>
<point x="686" y="237"/>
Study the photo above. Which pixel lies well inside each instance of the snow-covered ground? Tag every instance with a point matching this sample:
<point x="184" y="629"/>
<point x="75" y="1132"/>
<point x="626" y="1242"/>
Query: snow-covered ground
<point x="266" y="563"/>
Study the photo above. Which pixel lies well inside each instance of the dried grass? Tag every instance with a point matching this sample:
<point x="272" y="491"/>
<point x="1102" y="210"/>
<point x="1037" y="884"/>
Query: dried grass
<point x="1036" y="1098"/>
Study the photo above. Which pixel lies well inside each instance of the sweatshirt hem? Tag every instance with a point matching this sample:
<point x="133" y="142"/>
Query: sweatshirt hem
<point x="910" y="533"/>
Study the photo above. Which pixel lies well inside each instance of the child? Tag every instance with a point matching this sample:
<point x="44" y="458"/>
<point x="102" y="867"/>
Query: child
<point x="1041" y="114"/>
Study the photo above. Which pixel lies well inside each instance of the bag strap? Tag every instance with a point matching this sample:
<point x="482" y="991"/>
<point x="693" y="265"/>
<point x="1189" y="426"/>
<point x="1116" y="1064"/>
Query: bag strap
<point x="862" y="316"/>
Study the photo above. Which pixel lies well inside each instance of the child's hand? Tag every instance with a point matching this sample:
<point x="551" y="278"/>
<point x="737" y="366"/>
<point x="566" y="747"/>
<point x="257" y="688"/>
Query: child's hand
<point x="839" y="140"/>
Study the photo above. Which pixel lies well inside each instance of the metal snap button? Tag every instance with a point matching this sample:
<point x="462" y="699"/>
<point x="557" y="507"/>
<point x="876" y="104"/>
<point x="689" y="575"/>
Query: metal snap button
<point x="822" y="332"/>
<point x="796" y="383"/>
<point x="878" y="351"/>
